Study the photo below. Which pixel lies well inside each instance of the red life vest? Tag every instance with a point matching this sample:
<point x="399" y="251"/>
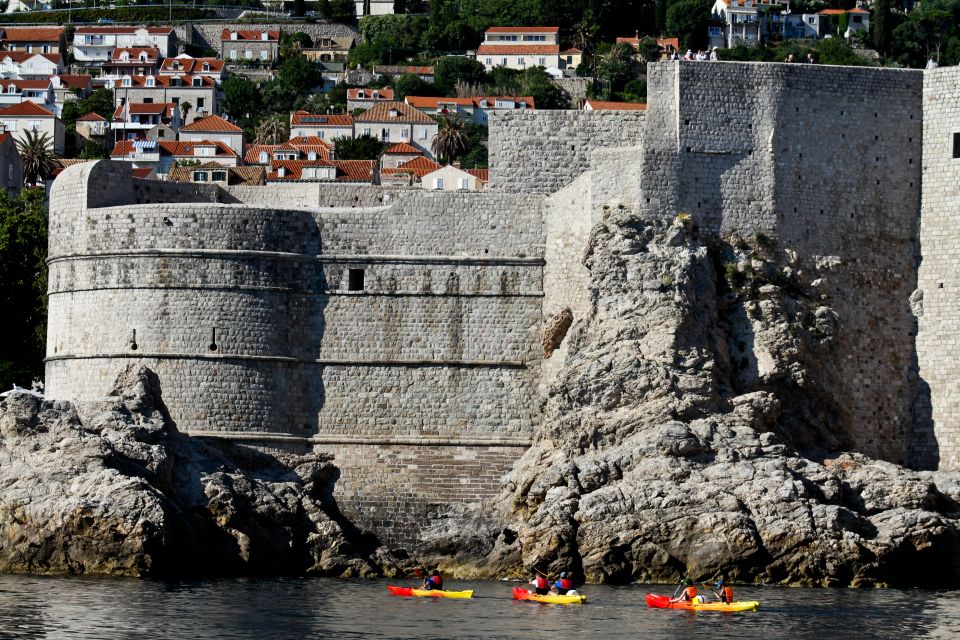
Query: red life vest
<point x="542" y="583"/>
<point x="566" y="583"/>
<point x="689" y="593"/>
<point x="728" y="594"/>
<point x="437" y="582"/>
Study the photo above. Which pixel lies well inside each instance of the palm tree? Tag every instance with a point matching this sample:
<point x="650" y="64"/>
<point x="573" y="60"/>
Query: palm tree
<point x="184" y="110"/>
<point x="451" y="140"/>
<point x="36" y="151"/>
<point x="272" y="130"/>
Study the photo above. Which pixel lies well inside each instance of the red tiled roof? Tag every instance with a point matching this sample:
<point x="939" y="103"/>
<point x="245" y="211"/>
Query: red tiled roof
<point x="354" y="170"/>
<point x="141" y="108"/>
<point x="32" y="34"/>
<point x="142" y="173"/>
<point x="418" y="166"/>
<point x="523" y="29"/>
<point x="840" y="12"/>
<point x="432" y="102"/>
<point x="76" y="80"/>
<point x="22" y="56"/>
<point x="404" y="149"/>
<point x="250" y="34"/>
<point x="519" y="49"/>
<point x="602" y="105"/>
<point x="253" y="151"/>
<point x="91" y="117"/>
<point x="573" y="51"/>
<point x="293" y="169"/>
<point x="381" y="112"/>
<point x="300" y="118"/>
<point x="165" y="81"/>
<point x="4" y="136"/>
<point x="26" y="109"/>
<point x="394" y="69"/>
<point x="124" y="30"/>
<point x="492" y="100"/>
<point x="192" y="65"/>
<point x="663" y="42"/>
<point x="174" y="148"/>
<point x="26" y="84"/>
<point x="212" y="123"/>
<point x="480" y="174"/>
<point x="385" y="93"/>
<point x="134" y="52"/>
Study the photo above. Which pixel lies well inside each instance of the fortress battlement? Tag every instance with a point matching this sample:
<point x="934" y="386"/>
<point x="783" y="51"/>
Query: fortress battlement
<point x="399" y="330"/>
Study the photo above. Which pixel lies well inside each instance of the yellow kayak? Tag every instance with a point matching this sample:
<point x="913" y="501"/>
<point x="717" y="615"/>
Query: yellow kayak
<point x="664" y="602"/>
<point x="550" y="598"/>
<point x="428" y="593"/>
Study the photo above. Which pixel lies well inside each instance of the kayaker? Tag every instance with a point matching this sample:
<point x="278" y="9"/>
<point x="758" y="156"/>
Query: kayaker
<point x="724" y="591"/>
<point x="689" y="592"/>
<point x="433" y="581"/>
<point x="563" y="585"/>
<point x="541" y="586"/>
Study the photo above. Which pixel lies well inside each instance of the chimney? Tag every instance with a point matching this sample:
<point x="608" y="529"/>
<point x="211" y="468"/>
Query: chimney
<point x="456" y="164"/>
<point x="636" y="34"/>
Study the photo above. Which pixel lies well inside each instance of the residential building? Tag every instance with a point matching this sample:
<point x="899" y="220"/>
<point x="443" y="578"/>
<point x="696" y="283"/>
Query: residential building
<point x="131" y="61"/>
<point x="69" y="88"/>
<point x="323" y="170"/>
<point x="38" y="91"/>
<point x="33" y="39"/>
<point x="307" y="149"/>
<point x="397" y="122"/>
<point x="94" y="45"/>
<point x="17" y="119"/>
<point x="92" y="125"/>
<point x="218" y="174"/>
<point x="453" y="178"/>
<point x="748" y="21"/>
<point x="474" y="109"/>
<point x="21" y="65"/>
<point x="11" y="166"/>
<point x="393" y="71"/>
<point x="399" y="154"/>
<point x="520" y="47"/>
<point x="409" y="173"/>
<point x="329" y="49"/>
<point x="668" y="46"/>
<point x="571" y="58"/>
<point x="214" y="128"/>
<point x="161" y="155"/>
<point x="184" y="65"/>
<point x="364" y="98"/>
<point x="325" y="127"/>
<point x="249" y="44"/>
<point x="137" y="120"/>
<point x="200" y="92"/>
<point x="374" y="7"/>
<point x="605" y="105"/>
<point x="838" y="22"/>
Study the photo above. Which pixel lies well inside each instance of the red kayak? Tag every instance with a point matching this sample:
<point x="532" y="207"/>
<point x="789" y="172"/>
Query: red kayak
<point x="663" y="602"/>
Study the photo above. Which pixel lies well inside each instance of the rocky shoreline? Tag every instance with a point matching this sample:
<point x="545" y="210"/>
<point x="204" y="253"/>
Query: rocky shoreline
<point x="691" y="431"/>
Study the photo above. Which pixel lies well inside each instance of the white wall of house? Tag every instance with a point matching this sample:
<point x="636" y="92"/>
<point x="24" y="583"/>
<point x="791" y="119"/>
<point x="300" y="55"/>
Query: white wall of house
<point x="419" y="135"/>
<point x="18" y="126"/>
<point x="326" y="133"/>
<point x="232" y="140"/>
<point x="450" y="178"/>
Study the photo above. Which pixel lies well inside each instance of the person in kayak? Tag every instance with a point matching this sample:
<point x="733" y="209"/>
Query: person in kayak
<point x="563" y="585"/>
<point x="541" y="586"/>
<point x="689" y="592"/>
<point x="724" y="591"/>
<point x="433" y="581"/>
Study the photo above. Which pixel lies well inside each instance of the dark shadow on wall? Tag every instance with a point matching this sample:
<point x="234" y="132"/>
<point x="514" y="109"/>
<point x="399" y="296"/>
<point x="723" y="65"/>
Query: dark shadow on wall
<point x="924" y="449"/>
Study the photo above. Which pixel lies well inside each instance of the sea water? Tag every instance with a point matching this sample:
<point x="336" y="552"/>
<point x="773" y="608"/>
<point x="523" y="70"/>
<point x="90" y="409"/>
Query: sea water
<point x="302" y="608"/>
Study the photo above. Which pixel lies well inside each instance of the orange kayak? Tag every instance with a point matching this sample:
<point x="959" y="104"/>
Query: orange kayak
<point x="550" y="598"/>
<point x="663" y="602"/>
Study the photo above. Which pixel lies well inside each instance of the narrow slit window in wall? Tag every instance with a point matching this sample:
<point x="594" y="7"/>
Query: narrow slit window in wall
<point x="956" y="145"/>
<point x="354" y="279"/>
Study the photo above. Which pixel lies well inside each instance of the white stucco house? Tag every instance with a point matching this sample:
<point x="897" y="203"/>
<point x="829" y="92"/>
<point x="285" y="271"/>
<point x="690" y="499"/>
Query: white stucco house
<point x="520" y="47"/>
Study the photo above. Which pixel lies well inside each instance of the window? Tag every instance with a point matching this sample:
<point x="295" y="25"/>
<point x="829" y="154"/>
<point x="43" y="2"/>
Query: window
<point x="423" y="133"/>
<point x="175" y="100"/>
<point x="200" y="176"/>
<point x="46" y="48"/>
<point x="438" y="183"/>
<point x="233" y="54"/>
<point x="521" y="61"/>
<point x="956" y="145"/>
<point x="323" y="134"/>
<point x="312" y="155"/>
<point x="462" y="183"/>
<point x="263" y="157"/>
<point x="385" y="134"/>
<point x="198" y="82"/>
<point x="812" y="20"/>
<point x="715" y="32"/>
<point x="200" y="103"/>
<point x="503" y="61"/>
<point x="125" y="82"/>
<point x="248" y="54"/>
<point x="542" y="62"/>
<point x="354" y="279"/>
<point x="148" y="101"/>
<point x="35" y="125"/>
<point x="489" y="62"/>
<point x="856" y="19"/>
<point x="219" y="176"/>
<point x="366" y="131"/>
<point x="12" y="89"/>
<point x="263" y="55"/>
<point x="161" y="133"/>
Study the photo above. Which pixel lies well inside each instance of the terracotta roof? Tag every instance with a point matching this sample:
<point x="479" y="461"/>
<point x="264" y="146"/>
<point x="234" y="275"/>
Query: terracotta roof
<point x="22" y="56"/>
<point x="381" y="112"/>
<point x="143" y="172"/>
<point x="140" y="108"/>
<point x="404" y="149"/>
<point x="519" y="49"/>
<point x="91" y="117"/>
<point x="385" y="93"/>
<point x="32" y="34"/>
<point x="124" y="30"/>
<point x="432" y="102"/>
<point x="523" y="29"/>
<point x="840" y="12"/>
<point x="396" y="70"/>
<point x="27" y="109"/>
<point x="482" y="175"/>
<point x="165" y="81"/>
<point x="26" y="84"/>
<point x="418" y="166"/>
<point x="293" y="169"/>
<point x="573" y="51"/>
<point x="5" y="136"/>
<point x="251" y="176"/>
<point x="152" y="53"/>
<point x="192" y="65"/>
<point x="493" y="100"/>
<point x="175" y="148"/>
<point x="250" y="34"/>
<point x="76" y="80"/>
<point x="303" y="118"/>
<point x="253" y="151"/>
<point x="602" y="105"/>
<point x="309" y="141"/>
<point x="668" y="42"/>
<point x="212" y="123"/>
<point x="355" y="170"/>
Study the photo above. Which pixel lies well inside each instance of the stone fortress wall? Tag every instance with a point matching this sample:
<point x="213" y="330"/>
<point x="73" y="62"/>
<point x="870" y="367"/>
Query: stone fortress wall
<point x="399" y="331"/>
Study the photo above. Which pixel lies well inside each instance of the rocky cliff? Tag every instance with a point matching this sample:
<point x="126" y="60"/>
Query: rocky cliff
<point x="112" y="488"/>
<point x="693" y="430"/>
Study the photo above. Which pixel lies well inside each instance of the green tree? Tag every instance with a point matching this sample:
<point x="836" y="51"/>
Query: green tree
<point x="538" y="84"/>
<point x="343" y="11"/>
<point x="299" y="8"/>
<point x="294" y="43"/>
<point x="359" y="148"/>
<point x="687" y="20"/>
<point x="451" y="139"/>
<point x="450" y="70"/>
<point x="881" y="25"/>
<point x="272" y="130"/>
<point x="23" y="286"/>
<point x="616" y="69"/>
<point x="36" y="151"/>
<point x="649" y="50"/>
<point x="411" y="85"/>
<point x="241" y="98"/>
<point x="93" y="150"/>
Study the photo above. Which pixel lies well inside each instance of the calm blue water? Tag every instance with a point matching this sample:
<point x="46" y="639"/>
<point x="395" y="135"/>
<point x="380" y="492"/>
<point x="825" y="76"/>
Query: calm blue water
<point x="33" y="607"/>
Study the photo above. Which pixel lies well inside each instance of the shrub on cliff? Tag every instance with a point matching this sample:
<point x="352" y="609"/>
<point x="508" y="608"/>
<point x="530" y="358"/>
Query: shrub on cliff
<point x="23" y="286"/>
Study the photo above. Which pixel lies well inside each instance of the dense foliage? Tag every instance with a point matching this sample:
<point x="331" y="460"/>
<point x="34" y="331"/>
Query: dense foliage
<point x="23" y="286"/>
<point x="359" y="148"/>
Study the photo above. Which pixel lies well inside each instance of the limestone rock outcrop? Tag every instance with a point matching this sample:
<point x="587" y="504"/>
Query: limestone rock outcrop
<point x="111" y="487"/>
<point x="693" y="430"/>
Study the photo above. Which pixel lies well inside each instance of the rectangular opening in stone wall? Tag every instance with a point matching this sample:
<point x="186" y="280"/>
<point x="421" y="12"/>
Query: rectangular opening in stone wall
<point x="354" y="279"/>
<point x="956" y="145"/>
